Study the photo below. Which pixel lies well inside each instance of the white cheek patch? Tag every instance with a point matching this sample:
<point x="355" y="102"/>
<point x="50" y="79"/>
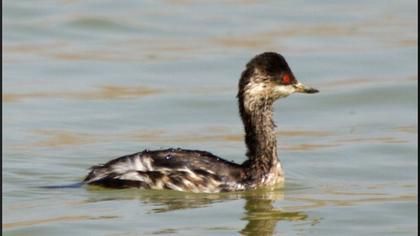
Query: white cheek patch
<point x="283" y="90"/>
<point x="253" y="93"/>
<point x="254" y="89"/>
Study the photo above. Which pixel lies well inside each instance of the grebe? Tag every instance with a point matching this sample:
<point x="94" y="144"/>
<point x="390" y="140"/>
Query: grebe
<point x="267" y="77"/>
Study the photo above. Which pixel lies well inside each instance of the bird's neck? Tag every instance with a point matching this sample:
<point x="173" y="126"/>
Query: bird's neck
<point x="260" y="137"/>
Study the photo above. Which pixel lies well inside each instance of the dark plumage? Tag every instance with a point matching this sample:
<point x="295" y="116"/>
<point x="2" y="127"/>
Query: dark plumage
<point x="266" y="78"/>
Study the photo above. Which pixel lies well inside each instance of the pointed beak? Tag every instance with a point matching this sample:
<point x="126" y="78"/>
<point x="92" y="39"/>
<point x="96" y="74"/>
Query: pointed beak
<point x="301" y="88"/>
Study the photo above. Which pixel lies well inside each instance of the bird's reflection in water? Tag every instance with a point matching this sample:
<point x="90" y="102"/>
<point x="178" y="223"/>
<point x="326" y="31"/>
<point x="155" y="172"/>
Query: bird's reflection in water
<point x="262" y="216"/>
<point x="260" y="213"/>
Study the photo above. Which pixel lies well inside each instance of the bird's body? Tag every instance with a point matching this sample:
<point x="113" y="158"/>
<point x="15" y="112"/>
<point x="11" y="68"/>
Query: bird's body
<point x="178" y="169"/>
<point x="266" y="78"/>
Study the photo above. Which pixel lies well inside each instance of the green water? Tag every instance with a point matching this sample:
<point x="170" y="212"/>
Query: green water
<point x="88" y="81"/>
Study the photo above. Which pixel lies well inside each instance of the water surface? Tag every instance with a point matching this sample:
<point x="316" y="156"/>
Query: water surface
<point x="87" y="81"/>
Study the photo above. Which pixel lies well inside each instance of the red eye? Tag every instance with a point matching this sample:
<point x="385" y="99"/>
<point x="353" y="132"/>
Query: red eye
<point x="286" y="79"/>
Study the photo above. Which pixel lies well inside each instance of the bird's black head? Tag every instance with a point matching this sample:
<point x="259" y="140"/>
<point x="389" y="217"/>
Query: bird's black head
<point x="268" y="77"/>
<point x="270" y="63"/>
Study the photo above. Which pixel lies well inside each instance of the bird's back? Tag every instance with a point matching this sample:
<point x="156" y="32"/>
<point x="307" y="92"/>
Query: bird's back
<point x="176" y="169"/>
